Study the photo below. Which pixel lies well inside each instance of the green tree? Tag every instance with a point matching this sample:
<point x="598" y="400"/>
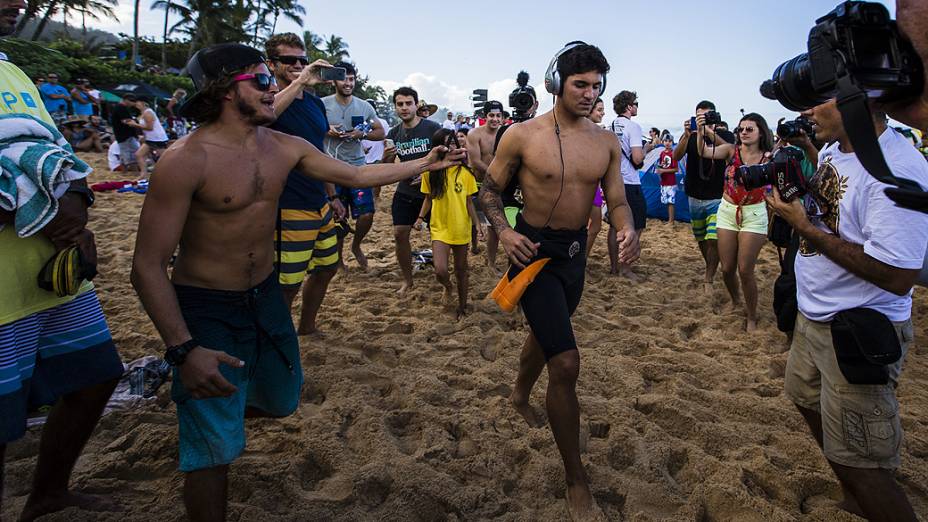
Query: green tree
<point x="336" y="49"/>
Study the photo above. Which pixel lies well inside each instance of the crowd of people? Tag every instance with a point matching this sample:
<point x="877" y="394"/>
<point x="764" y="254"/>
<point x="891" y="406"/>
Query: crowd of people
<point x="265" y="220"/>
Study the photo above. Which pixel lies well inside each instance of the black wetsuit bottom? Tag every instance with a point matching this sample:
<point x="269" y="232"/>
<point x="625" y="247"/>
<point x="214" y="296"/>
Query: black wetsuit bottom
<point x="555" y="293"/>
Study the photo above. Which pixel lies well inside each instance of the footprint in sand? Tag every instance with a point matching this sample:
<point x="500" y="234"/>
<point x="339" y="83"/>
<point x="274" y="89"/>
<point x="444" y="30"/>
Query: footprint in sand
<point x="406" y="434"/>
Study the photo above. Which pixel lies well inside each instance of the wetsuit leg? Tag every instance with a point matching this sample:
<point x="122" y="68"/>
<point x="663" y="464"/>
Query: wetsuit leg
<point x="546" y="307"/>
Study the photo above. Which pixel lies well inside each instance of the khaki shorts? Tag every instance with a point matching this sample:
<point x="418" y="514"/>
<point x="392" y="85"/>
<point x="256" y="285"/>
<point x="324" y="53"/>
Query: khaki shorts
<point x="860" y="422"/>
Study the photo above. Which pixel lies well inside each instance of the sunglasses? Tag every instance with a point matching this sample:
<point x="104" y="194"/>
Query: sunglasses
<point x="747" y="130"/>
<point x="262" y="81"/>
<point x="291" y="60"/>
<point x="635" y="104"/>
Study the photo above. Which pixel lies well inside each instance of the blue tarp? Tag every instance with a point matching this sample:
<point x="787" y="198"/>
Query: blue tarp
<point x="651" y="186"/>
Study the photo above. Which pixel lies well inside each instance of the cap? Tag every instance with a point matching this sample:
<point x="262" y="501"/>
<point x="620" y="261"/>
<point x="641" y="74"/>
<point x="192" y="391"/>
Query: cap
<point x="491" y="106"/>
<point x="211" y="63"/>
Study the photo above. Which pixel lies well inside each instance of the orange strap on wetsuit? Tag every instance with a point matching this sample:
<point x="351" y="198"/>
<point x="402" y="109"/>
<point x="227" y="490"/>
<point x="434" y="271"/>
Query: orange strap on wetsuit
<point x="507" y="294"/>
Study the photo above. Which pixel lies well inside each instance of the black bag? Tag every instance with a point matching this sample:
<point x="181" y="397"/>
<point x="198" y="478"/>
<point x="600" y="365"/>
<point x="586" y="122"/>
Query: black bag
<point x="785" y="302"/>
<point x="865" y="342"/>
<point x="780" y="232"/>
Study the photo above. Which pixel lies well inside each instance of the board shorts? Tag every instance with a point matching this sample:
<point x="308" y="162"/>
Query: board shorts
<point x="668" y="194"/>
<point x="159" y="145"/>
<point x="127" y="150"/>
<point x="742" y="218"/>
<point x="306" y="241"/>
<point x="52" y="353"/>
<point x="359" y="200"/>
<point x="551" y="299"/>
<point x="703" y="216"/>
<point x="637" y="204"/>
<point x="255" y="326"/>
<point x="860" y="422"/>
<point x="405" y="209"/>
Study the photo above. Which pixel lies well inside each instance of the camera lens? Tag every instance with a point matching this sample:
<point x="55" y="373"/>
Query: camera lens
<point x="522" y="101"/>
<point x="755" y="176"/>
<point x="791" y="85"/>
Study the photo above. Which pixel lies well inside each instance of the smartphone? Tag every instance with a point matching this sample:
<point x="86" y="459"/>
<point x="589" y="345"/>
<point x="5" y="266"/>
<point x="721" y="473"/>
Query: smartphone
<point x="356" y="120"/>
<point x="333" y="73"/>
<point x="693" y="123"/>
<point x="388" y="143"/>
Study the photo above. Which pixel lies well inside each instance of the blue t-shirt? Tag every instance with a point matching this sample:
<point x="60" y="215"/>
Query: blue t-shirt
<point x="82" y="109"/>
<point x="51" y="104"/>
<point x="304" y="118"/>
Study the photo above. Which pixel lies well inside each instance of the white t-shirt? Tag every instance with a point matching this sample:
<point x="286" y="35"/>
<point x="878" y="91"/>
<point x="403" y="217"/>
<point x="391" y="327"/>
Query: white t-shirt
<point x="864" y="216"/>
<point x="112" y="156"/>
<point x="156" y="133"/>
<point x="374" y="149"/>
<point x="629" y="134"/>
<point x="448" y="124"/>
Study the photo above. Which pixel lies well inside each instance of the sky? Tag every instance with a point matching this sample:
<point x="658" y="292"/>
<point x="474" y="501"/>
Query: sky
<point x="672" y="53"/>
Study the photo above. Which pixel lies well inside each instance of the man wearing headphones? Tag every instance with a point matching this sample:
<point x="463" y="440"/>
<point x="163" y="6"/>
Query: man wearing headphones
<point x="559" y="158"/>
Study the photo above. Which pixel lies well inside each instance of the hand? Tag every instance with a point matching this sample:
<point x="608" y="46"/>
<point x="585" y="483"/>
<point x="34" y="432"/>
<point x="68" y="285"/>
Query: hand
<point x="335" y="131"/>
<point x="700" y="121"/>
<point x="355" y="134"/>
<point x="88" y="246"/>
<point x="71" y="219"/>
<point x="200" y="373"/>
<point x="338" y="209"/>
<point x="418" y="224"/>
<point x="519" y="248"/>
<point x="389" y="154"/>
<point x="629" y="248"/>
<point x="312" y="75"/>
<point x="793" y="212"/>
<point x="481" y="232"/>
<point x="801" y="140"/>
<point x="686" y="127"/>
<point x="442" y="157"/>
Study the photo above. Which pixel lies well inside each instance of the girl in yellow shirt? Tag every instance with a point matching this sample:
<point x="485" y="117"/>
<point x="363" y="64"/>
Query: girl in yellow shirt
<point x="448" y="196"/>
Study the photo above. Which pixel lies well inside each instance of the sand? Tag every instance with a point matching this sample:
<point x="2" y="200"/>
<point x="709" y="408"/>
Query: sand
<point x="405" y="414"/>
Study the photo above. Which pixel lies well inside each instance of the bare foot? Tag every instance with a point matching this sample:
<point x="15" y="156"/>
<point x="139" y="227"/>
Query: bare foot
<point x="581" y="506"/>
<point x="310" y="330"/>
<point x="460" y="312"/>
<point x="475" y="249"/>
<point x="631" y="276"/>
<point x="734" y="307"/>
<point x="750" y="325"/>
<point x="359" y="257"/>
<point x="57" y="501"/>
<point x="404" y="288"/>
<point x="446" y="297"/>
<point x="524" y="409"/>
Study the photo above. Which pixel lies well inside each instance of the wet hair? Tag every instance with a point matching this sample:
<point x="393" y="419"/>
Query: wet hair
<point x="349" y="68"/>
<point x="437" y="180"/>
<point x="209" y="105"/>
<point x="766" y="136"/>
<point x="288" y="39"/>
<point x="581" y="59"/>
<point x="705" y="104"/>
<point x="621" y="101"/>
<point x="407" y="91"/>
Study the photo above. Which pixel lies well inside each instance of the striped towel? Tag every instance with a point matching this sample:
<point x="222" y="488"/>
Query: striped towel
<point x="38" y="166"/>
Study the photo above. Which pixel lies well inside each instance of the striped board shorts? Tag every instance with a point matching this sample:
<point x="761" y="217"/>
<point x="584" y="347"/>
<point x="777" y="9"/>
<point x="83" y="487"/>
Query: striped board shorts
<point x="307" y="241"/>
<point x="703" y="217"/>
<point x="52" y="353"/>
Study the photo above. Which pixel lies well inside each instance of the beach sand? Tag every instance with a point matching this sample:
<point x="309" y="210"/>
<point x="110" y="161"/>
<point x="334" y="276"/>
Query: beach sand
<point x="404" y="414"/>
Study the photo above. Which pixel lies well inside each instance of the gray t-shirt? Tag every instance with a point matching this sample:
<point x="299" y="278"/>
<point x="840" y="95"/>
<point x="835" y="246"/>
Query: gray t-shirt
<point x="348" y="116"/>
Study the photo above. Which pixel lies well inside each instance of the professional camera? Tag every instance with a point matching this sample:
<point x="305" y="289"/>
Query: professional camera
<point x="795" y="128"/>
<point x="712" y="118"/>
<point x="522" y="98"/>
<point x="784" y="173"/>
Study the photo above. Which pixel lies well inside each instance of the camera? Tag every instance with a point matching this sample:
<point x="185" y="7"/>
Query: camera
<point x="784" y="173"/>
<point x="795" y="128"/>
<point x="712" y="118"/>
<point x="522" y="99"/>
<point x="856" y="39"/>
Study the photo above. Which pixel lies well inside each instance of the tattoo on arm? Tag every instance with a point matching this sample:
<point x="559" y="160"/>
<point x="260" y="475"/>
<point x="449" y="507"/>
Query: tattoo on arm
<point x="493" y="204"/>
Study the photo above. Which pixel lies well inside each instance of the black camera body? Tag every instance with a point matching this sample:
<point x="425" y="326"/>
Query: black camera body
<point x="856" y="39"/>
<point x="784" y="173"/>
<point x="712" y="118"/>
<point x="522" y="99"/>
<point x="795" y="128"/>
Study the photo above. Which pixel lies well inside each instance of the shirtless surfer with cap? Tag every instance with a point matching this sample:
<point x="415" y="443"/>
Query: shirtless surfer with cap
<point x="222" y="314"/>
<point x="559" y="159"/>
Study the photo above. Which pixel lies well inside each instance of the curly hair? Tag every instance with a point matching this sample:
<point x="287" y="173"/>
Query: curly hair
<point x="209" y="102"/>
<point x="621" y="101"/>
<point x="288" y="39"/>
<point x="580" y="59"/>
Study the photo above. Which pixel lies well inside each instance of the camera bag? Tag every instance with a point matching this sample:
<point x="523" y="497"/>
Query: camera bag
<point x="780" y="232"/>
<point x="865" y="342"/>
<point x="785" y="302"/>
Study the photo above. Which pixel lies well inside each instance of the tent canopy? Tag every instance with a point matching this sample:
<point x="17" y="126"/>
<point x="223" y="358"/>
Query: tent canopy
<point x="140" y="89"/>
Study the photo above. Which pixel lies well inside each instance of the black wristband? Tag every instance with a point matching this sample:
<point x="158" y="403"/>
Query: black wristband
<point x="176" y="355"/>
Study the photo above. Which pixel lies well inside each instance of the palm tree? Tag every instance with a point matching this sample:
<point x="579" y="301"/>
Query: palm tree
<point x="33" y="7"/>
<point x="168" y="7"/>
<point x="289" y="9"/>
<point x="94" y="9"/>
<point x="336" y="49"/>
<point x="135" y="35"/>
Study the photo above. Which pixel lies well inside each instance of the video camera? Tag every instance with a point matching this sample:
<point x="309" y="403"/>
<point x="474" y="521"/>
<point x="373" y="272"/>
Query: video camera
<point x="795" y="128"/>
<point x="522" y="99"/>
<point x="855" y="52"/>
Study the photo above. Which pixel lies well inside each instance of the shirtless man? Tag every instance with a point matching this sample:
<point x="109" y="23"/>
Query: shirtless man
<point x="480" y="143"/>
<point x="231" y="338"/>
<point x="559" y="158"/>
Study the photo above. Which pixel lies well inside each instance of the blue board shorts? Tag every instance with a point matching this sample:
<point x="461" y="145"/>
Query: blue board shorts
<point x="255" y="326"/>
<point x="52" y="353"/>
<point x="703" y="218"/>
<point x="359" y="200"/>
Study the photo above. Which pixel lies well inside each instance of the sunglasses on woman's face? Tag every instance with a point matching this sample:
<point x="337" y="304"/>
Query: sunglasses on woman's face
<point x="262" y="81"/>
<point x="746" y="130"/>
<point x="290" y="60"/>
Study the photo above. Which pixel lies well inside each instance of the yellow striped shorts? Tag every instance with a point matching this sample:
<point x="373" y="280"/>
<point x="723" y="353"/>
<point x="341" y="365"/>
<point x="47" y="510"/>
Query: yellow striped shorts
<point x="306" y="241"/>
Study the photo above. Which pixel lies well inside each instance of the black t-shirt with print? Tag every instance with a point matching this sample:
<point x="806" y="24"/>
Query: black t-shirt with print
<point x="705" y="179"/>
<point x="412" y="144"/>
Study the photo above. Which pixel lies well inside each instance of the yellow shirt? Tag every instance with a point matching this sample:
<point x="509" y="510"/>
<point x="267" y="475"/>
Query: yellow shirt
<point x="21" y="259"/>
<point x="450" y="222"/>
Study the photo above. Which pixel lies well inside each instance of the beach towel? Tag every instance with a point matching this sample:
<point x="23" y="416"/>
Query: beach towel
<point x="38" y="166"/>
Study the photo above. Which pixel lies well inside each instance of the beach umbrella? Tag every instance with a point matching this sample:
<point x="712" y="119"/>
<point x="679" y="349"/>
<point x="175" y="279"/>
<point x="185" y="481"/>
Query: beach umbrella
<point x="140" y="89"/>
<point x="109" y="97"/>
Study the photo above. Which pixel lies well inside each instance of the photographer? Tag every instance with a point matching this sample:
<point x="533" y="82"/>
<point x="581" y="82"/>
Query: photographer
<point x="742" y="214"/>
<point x="859" y="257"/>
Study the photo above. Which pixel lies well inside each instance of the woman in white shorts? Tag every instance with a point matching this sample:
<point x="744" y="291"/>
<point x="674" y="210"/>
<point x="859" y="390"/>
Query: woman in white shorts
<point x="742" y="216"/>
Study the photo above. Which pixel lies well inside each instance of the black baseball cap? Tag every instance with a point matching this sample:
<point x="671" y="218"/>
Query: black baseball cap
<point x="491" y="106"/>
<point x="211" y="63"/>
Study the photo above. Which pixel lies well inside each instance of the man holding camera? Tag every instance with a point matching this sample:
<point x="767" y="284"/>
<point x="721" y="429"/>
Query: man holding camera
<point x="858" y="251"/>
<point x="351" y="120"/>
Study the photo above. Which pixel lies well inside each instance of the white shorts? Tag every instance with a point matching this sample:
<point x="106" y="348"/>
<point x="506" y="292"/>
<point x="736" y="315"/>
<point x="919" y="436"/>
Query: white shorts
<point x="668" y="194"/>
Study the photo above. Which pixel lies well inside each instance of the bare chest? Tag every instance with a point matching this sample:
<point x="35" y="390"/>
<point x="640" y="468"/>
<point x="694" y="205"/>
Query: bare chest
<point x="234" y="182"/>
<point x="582" y="161"/>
